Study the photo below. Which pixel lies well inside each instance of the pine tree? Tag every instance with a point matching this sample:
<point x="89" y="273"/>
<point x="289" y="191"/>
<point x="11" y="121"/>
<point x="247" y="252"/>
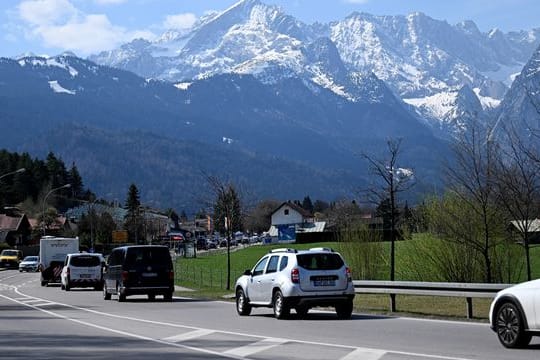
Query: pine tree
<point x="133" y="221"/>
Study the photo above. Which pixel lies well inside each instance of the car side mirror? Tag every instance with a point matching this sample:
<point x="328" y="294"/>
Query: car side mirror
<point x="248" y="272"/>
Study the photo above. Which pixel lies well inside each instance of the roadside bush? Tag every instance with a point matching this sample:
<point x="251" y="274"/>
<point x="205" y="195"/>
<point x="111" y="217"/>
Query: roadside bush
<point x="428" y="258"/>
<point x="363" y="251"/>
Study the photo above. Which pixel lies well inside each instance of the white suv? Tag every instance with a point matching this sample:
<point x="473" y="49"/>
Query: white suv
<point x="515" y="314"/>
<point x="286" y="278"/>
<point x="82" y="270"/>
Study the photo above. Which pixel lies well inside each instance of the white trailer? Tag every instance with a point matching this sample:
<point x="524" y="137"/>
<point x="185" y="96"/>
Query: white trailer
<point x="52" y="254"/>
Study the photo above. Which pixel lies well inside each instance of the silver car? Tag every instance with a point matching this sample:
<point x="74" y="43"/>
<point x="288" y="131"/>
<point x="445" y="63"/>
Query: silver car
<point x="285" y="279"/>
<point x="29" y="263"/>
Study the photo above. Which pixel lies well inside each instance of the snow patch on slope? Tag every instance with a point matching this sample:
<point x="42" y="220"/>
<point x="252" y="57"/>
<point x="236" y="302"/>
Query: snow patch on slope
<point x="57" y="88"/>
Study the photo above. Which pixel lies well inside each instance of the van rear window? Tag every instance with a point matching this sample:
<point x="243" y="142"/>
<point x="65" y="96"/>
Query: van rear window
<point x="328" y="261"/>
<point x="85" y="261"/>
<point x="148" y="255"/>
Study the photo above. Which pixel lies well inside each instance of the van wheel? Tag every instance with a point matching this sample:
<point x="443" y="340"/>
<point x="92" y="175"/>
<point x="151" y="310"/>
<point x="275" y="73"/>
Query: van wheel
<point x="168" y="296"/>
<point x="62" y="287"/>
<point x="43" y="283"/>
<point x="151" y="297"/>
<point x="67" y="287"/>
<point x="106" y="294"/>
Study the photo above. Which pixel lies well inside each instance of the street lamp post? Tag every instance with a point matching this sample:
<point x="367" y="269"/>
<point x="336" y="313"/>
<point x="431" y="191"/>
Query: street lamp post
<point x="21" y="170"/>
<point x="45" y="200"/>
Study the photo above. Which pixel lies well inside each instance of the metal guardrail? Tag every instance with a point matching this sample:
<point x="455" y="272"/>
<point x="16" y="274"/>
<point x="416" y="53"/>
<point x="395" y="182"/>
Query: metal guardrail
<point x="393" y="288"/>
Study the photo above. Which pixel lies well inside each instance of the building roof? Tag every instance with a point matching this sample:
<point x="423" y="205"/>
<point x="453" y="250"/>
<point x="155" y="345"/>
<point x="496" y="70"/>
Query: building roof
<point x="299" y="209"/>
<point x="526" y="225"/>
<point x="11" y="223"/>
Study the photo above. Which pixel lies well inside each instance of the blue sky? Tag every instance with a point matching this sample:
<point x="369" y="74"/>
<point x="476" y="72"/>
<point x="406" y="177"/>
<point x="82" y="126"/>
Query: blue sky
<point x="87" y="26"/>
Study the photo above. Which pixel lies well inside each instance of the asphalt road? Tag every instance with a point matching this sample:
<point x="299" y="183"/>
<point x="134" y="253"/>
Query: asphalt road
<point x="48" y="323"/>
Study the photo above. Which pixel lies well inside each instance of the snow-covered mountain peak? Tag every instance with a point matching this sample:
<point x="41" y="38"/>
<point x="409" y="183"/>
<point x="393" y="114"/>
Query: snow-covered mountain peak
<point x="418" y="57"/>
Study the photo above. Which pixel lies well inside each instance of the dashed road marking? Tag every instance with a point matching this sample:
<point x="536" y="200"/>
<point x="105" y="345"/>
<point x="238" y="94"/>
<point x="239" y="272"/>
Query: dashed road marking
<point x="364" y="354"/>
<point x="256" y="347"/>
<point x="189" y="335"/>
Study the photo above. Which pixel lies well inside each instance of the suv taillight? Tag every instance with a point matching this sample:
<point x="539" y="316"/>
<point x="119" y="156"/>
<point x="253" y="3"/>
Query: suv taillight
<point x="125" y="276"/>
<point x="171" y="275"/>
<point x="348" y="274"/>
<point x="295" y="276"/>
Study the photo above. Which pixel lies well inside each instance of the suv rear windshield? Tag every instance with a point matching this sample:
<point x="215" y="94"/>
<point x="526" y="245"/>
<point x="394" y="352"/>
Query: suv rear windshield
<point x="148" y="256"/>
<point x="85" y="261"/>
<point x="320" y="261"/>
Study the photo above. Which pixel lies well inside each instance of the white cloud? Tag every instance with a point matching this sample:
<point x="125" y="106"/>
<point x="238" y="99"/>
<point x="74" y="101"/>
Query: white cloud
<point x="179" y="21"/>
<point x="108" y="2"/>
<point x="59" y="24"/>
<point x="46" y="12"/>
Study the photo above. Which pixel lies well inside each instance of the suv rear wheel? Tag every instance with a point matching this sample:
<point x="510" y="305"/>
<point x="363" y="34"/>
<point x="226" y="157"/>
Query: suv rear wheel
<point x="302" y="311"/>
<point x="281" y="309"/>
<point x="344" y="310"/>
<point x="242" y="306"/>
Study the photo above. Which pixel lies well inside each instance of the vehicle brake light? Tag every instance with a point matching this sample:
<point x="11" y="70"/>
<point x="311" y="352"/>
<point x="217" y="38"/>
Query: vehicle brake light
<point x="349" y="274"/>
<point x="125" y="276"/>
<point x="171" y="275"/>
<point x="295" y="276"/>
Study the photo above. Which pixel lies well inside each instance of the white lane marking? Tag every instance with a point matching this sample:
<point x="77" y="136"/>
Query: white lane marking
<point x="340" y="346"/>
<point x="256" y="347"/>
<point x="125" y="333"/>
<point x="364" y="354"/>
<point x="188" y="336"/>
<point x="44" y="304"/>
<point x="32" y="301"/>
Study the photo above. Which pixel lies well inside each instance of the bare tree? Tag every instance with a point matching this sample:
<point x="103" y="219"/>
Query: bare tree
<point x="471" y="178"/>
<point x="227" y="213"/>
<point x="518" y="180"/>
<point x="391" y="181"/>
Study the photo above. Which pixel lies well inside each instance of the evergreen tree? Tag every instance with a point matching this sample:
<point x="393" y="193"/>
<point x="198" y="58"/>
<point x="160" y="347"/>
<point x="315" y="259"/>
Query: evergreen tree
<point x="307" y="204"/>
<point x="76" y="182"/>
<point x="133" y="220"/>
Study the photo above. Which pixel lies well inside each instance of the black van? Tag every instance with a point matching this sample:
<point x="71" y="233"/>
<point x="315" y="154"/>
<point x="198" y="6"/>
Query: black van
<point x="139" y="269"/>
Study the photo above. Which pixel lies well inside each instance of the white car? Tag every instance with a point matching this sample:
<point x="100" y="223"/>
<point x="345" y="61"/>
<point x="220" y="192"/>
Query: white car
<point x="29" y="263"/>
<point x="285" y="279"/>
<point x="82" y="270"/>
<point x="515" y="314"/>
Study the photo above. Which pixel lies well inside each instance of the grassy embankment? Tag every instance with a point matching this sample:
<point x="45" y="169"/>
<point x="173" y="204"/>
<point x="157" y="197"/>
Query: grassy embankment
<point x="207" y="274"/>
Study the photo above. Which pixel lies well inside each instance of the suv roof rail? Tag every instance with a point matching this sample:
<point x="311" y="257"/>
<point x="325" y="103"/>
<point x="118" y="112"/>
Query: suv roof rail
<point x="283" y="250"/>
<point x="322" y="249"/>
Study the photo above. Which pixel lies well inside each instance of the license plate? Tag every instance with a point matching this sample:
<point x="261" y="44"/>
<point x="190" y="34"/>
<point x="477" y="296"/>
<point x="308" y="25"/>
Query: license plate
<point x="149" y="274"/>
<point x="86" y="276"/>
<point x="324" y="283"/>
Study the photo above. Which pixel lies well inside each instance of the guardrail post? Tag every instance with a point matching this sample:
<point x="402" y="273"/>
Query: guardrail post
<point x="469" y="308"/>
<point x="392" y="302"/>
